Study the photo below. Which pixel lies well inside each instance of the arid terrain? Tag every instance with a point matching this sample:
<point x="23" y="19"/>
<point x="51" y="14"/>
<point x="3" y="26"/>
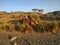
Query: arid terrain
<point x="32" y="38"/>
<point x="32" y="28"/>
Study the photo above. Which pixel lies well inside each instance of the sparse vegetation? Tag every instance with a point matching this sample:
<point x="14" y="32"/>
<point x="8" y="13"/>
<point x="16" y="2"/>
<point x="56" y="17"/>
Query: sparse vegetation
<point x="32" y="28"/>
<point x="20" y="21"/>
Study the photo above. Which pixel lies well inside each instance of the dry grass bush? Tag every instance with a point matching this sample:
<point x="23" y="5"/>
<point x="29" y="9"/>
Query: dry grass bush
<point x="22" y="21"/>
<point x="46" y="27"/>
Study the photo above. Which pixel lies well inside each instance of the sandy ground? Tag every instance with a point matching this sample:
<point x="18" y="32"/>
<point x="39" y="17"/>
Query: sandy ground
<point x="31" y="38"/>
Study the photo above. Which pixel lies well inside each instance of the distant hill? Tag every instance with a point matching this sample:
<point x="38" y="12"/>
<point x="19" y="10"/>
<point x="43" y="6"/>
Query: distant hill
<point x="57" y="13"/>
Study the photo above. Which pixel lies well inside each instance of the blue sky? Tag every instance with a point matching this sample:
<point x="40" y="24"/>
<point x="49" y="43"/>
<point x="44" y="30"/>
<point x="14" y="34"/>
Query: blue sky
<point x="28" y="5"/>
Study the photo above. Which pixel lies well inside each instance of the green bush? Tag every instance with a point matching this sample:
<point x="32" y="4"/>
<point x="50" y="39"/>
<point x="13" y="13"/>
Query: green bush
<point x="34" y="15"/>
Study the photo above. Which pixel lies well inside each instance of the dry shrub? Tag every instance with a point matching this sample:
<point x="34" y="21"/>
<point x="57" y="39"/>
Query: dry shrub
<point x="20" y="27"/>
<point x="46" y="26"/>
<point x="51" y="26"/>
